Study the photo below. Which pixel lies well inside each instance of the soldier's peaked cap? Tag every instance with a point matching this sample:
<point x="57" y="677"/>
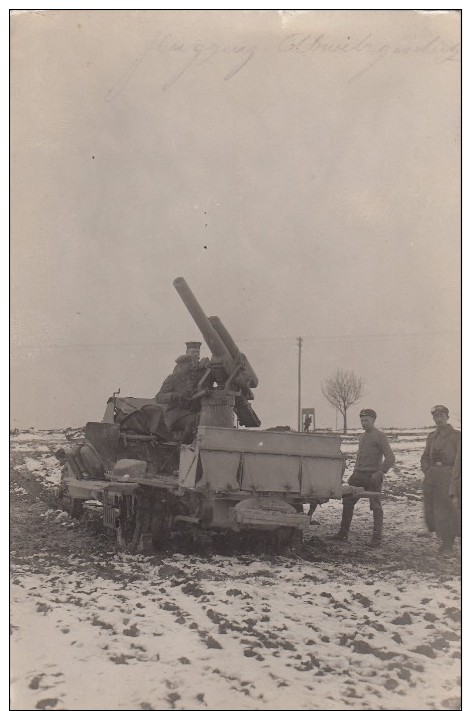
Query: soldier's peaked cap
<point x="368" y="413"/>
<point x="184" y="359"/>
<point x="440" y="408"/>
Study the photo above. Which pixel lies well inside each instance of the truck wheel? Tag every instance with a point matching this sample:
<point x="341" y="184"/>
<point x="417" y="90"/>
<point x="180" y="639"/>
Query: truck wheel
<point x="129" y="528"/>
<point x="128" y="535"/>
<point x="74" y="507"/>
<point x="161" y="528"/>
<point x="287" y="540"/>
<point x="296" y="539"/>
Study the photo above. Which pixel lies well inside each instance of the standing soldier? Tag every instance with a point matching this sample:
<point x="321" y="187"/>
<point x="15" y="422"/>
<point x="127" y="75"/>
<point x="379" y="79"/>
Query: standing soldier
<point x="375" y="457"/>
<point x="455" y="485"/>
<point x="437" y="463"/>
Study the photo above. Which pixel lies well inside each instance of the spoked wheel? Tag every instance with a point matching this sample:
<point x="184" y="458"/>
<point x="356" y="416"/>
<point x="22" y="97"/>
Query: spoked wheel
<point x="129" y="526"/>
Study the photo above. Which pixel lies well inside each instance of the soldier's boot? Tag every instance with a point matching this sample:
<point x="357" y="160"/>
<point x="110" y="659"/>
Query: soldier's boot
<point x="446" y="547"/>
<point x="375" y="539"/>
<point x="347" y="515"/>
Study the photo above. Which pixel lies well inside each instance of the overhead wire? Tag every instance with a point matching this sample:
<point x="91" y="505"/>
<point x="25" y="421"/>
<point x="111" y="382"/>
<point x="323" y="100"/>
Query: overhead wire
<point x="153" y="344"/>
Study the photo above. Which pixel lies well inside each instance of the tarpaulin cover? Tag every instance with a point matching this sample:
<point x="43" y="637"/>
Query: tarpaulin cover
<point x="141" y="415"/>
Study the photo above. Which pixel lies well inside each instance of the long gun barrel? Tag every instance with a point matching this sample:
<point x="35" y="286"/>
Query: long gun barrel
<point x="231" y="346"/>
<point x="210" y="335"/>
<point x="229" y="367"/>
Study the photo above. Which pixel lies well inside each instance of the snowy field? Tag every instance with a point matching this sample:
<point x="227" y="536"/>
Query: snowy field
<point x="338" y="626"/>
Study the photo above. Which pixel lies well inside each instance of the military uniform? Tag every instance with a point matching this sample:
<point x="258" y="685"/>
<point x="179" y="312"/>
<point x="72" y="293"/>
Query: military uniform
<point x="375" y="457"/>
<point x="455" y="484"/>
<point x="175" y="395"/>
<point x="437" y="463"/>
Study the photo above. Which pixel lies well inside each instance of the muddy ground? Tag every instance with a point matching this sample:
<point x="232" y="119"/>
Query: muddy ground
<point x="211" y="624"/>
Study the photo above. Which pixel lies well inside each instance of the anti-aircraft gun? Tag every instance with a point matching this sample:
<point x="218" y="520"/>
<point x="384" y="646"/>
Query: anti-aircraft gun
<point x="233" y="478"/>
<point x="228" y="368"/>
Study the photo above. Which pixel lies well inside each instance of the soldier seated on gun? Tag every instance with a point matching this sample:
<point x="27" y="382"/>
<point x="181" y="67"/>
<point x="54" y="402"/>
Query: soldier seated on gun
<point x="182" y="403"/>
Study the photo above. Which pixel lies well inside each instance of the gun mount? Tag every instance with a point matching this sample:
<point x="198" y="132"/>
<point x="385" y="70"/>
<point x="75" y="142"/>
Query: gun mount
<point x="228" y="368"/>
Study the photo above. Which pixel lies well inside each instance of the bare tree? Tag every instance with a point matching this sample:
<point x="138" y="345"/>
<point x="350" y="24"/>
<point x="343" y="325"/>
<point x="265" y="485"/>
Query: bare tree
<point x="343" y="390"/>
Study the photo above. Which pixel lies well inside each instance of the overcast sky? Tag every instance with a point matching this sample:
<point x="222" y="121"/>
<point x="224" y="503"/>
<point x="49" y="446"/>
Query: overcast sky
<point x="300" y="170"/>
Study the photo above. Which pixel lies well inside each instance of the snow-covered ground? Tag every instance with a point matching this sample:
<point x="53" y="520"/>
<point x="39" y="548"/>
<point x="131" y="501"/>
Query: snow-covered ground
<point x="338" y="626"/>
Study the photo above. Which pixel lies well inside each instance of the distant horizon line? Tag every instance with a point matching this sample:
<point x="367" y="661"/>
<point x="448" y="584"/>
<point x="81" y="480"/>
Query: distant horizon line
<point x="318" y="429"/>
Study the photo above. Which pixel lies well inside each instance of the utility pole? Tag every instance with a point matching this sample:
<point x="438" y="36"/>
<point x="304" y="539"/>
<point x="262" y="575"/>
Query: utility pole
<point x="300" y="340"/>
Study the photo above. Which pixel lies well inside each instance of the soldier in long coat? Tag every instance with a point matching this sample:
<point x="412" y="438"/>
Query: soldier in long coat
<point x="455" y="485"/>
<point x="437" y="463"/>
